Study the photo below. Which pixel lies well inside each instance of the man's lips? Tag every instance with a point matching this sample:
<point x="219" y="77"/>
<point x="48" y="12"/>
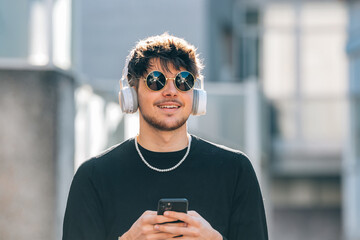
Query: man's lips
<point x="168" y="107"/>
<point x="169" y="104"/>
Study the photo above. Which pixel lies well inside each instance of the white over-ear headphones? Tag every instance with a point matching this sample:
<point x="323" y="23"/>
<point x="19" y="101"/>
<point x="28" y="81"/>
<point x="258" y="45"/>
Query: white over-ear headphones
<point x="129" y="102"/>
<point x="199" y="100"/>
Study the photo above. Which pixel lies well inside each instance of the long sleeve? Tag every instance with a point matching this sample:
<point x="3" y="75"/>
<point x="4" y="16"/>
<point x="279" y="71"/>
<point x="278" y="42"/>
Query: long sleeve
<point x="248" y="215"/>
<point x="83" y="217"/>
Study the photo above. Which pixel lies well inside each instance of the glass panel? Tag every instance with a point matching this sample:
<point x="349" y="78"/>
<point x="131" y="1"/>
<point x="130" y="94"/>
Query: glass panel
<point x="323" y="59"/>
<point x="279" y="15"/>
<point x="323" y="63"/>
<point x="323" y="119"/>
<point x="252" y="16"/>
<point x="324" y="14"/>
<point x="279" y="50"/>
<point x="279" y="63"/>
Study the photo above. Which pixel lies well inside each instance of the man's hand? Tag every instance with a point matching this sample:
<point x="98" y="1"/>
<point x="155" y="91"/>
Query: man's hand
<point x="143" y="228"/>
<point x="196" y="227"/>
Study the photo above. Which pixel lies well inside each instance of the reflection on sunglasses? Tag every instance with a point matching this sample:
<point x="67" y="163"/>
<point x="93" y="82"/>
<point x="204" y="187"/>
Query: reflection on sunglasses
<point x="156" y="80"/>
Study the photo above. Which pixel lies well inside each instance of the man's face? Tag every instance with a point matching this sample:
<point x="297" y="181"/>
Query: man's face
<point x="167" y="109"/>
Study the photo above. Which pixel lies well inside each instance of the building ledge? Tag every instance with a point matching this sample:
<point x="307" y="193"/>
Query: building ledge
<point x="307" y="159"/>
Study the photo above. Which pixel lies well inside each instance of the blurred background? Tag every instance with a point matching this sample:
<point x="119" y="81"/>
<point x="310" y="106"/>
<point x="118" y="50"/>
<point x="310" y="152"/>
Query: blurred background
<point x="283" y="83"/>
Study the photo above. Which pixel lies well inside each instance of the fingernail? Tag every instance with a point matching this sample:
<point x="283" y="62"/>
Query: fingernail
<point x="156" y="227"/>
<point x="166" y="213"/>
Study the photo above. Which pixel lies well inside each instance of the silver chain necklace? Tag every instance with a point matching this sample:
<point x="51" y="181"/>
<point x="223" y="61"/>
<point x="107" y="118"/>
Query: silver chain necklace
<point x="167" y="169"/>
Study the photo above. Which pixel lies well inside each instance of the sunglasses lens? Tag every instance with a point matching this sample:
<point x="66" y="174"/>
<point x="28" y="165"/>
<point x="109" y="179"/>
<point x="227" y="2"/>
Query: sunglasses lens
<point x="184" y="81"/>
<point x="156" y="80"/>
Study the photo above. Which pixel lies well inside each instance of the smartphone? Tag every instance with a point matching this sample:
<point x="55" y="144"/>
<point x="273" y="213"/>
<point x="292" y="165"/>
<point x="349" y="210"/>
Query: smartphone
<point x="172" y="204"/>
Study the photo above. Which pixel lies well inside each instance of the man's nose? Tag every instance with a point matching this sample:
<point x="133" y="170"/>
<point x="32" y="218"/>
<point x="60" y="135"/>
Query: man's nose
<point x="170" y="89"/>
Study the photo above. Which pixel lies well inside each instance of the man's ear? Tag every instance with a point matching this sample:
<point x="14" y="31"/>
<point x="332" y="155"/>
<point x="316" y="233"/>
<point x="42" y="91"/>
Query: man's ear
<point x="135" y="88"/>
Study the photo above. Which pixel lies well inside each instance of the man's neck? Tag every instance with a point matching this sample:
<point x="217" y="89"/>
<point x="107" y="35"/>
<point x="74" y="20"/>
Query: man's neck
<point x="163" y="141"/>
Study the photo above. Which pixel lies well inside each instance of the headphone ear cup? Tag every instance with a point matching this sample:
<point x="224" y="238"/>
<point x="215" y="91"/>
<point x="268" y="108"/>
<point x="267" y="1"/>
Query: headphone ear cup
<point x="199" y="102"/>
<point x="128" y="100"/>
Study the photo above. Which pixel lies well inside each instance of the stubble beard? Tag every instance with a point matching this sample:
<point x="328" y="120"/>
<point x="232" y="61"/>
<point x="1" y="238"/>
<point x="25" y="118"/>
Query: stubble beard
<point x="161" y="125"/>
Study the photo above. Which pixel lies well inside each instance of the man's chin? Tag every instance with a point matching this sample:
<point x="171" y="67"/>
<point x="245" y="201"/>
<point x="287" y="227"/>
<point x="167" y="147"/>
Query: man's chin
<point x="164" y="125"/>
<point x="167" y="127"/>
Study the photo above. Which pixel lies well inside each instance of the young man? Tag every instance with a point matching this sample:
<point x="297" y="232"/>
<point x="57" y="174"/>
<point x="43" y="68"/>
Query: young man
<point x="115" y="195"/>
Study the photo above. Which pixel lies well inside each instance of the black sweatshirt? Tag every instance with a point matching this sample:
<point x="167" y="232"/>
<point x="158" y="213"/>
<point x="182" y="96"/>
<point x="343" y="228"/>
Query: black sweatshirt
<point x="111" y="191"/>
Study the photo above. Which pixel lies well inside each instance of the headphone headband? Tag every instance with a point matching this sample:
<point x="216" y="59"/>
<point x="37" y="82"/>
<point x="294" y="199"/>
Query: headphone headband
<point x="124" y="81"/>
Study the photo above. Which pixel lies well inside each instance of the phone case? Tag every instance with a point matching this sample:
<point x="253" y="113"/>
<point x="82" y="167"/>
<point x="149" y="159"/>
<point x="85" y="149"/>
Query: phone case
<point x="172" y="204"/>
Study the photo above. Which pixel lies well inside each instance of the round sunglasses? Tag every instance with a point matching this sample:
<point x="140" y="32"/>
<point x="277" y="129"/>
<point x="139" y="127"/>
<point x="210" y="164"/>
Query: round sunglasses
<point x="184" y="81"/>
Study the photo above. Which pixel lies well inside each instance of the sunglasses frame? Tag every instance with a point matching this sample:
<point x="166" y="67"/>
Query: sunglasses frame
<point x="166" y="78"/>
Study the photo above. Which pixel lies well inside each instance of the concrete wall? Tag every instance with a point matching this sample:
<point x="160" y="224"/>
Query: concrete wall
<point x="36" y="145"/>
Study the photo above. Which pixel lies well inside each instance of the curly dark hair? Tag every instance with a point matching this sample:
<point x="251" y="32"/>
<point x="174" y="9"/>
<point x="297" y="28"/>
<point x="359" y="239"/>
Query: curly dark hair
<point x="169" y="50"/>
